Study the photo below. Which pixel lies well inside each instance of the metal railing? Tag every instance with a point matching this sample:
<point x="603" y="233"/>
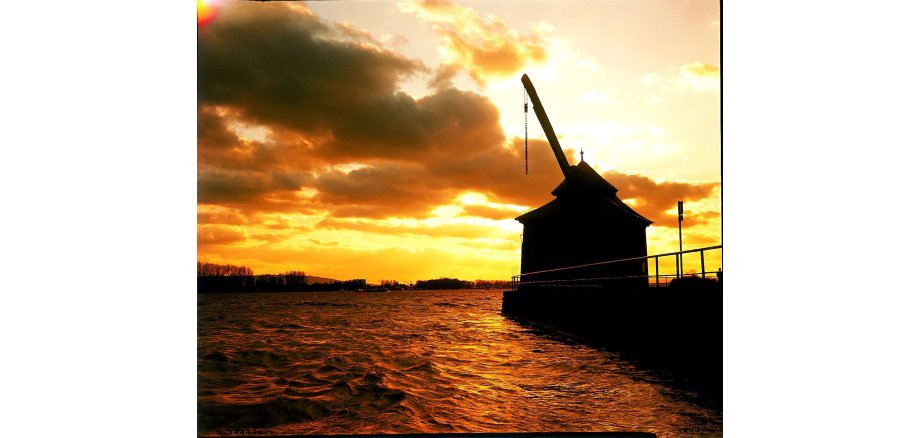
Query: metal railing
<point x="660" y="279"/>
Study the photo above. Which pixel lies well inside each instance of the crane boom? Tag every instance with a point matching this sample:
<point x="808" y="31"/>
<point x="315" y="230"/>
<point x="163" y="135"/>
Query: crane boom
<point x="547" y="127"/>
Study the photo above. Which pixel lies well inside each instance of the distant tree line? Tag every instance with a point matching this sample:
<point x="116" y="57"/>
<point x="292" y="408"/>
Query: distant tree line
<point x="443" y="283"/>
<point x="272" y="283"/>
<point x="214" y="278"/>
<point x="206" y="269"/>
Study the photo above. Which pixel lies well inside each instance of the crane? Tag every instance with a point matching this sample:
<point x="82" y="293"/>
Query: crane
<point x="547" y="127"/>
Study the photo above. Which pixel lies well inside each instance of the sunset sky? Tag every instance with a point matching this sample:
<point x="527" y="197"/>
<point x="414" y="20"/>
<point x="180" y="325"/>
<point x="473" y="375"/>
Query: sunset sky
<point x="384" y="140"/>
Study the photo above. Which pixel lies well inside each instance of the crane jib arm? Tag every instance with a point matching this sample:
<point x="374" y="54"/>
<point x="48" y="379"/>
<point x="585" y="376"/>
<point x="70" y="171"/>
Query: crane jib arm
<point x="547" y="127"/>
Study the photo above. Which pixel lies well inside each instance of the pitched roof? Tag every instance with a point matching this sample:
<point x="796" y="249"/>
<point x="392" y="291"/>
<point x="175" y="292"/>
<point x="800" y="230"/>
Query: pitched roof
<point x="582" y="178"/>
<point x="584" y="182"/>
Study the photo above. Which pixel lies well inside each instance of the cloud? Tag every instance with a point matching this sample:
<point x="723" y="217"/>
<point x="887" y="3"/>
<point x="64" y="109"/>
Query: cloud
<point x="326" y="100"/>
<point x="655" y="200"/>
<point x="269" y="238"/>
<point x="221" y="218"/>
<point x="414" y="189"/>
<point x="278" y="64"/>
<point x="693" y="76"/>
<point x="483" y="45"/>
<point x="694" y="240"/>
<point x="322" y="99"/>
<point x="344" y="146"/>
<point x="447" y="123"/>
<point x="380" y="191"/>
<point x="700" y="70"/>
<point x="213" y="133"/>
<point x="700" y="76"/>
<point x="444" y="77"/>
<point x="218" y="235"/>
<point x="693" y="218"/>
<point x="227" y="186"/>
<point x="219" y="146"/>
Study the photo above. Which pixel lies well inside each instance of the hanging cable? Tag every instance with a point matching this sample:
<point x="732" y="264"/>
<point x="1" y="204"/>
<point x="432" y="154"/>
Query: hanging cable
<point x="525" y="133"/>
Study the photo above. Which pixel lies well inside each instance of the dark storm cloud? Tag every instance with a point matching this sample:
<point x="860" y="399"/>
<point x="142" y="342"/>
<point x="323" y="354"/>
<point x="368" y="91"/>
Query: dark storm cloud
<point x="283" y="153"/>
<point x="394" y="189"/>
<point x="325" y="100"/>
<point x="217" y="186"/>
<point x="499" y="173"/>
<point x="413" y="189"/>
<point x="279" y="64"/>
<point x="447" y="123"/>
<point x="213" y="133"/>
<point x="282" y="67"/>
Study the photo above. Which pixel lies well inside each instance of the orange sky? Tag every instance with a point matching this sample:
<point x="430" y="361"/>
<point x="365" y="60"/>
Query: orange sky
<point x="384" y="140"/>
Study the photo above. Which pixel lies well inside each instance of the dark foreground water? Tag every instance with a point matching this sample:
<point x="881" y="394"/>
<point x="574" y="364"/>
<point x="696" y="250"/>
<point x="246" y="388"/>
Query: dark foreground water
<point x="415" y="361"/>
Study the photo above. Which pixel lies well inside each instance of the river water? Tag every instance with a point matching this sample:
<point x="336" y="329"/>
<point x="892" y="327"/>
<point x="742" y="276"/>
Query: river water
<point x="415" y="362"/>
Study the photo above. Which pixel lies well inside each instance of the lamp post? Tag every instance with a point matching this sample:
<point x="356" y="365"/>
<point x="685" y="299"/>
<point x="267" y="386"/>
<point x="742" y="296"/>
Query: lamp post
<point x="680" y="238"/>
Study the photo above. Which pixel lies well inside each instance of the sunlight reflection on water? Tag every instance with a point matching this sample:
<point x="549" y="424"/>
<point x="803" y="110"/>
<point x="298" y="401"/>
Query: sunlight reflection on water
<point x="409" y="362"/>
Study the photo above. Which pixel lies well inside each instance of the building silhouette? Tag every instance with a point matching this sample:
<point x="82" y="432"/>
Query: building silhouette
<point x="585" y="223"/>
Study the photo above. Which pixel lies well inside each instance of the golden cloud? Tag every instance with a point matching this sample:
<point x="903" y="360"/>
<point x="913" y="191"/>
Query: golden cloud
<point x="484" y="46"/>
<point x="700" y="69"/>
<point x="221" y="218"/>
<point x="699" y="76"/>
<point x="655" y="200"/>
<point x="218" y="235"/>
<point x="692" y="76"/>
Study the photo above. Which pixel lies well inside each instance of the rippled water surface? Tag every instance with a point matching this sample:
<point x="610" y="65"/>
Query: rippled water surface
<point x="414" y="361"/>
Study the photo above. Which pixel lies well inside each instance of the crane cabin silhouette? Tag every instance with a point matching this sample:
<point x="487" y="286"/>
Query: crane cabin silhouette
<point x="586" y="223"/>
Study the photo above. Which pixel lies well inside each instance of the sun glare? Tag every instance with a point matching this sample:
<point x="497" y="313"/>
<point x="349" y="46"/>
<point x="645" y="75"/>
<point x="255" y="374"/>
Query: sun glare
<point x="207" y="10"/>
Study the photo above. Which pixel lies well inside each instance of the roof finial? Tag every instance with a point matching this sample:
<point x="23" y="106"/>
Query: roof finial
<point x="582" y="154"/>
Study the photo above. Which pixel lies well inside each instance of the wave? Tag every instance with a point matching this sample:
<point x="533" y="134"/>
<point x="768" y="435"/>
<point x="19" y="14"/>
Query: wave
<point x="322" y="304"/>
<point x="262" y="358"/>
<point x="216" y="356"/>
<point x="276" y="411"/>
<point x="286" y="326"/>
<point x="369" y="390"/>
<point x="361" y="395"/>
<point x="432" y="362"/>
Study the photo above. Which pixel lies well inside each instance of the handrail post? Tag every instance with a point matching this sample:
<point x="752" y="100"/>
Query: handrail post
<point x="702" y="264"/>
<point x="656" y="271"/>
<point x="677" y="264"/>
